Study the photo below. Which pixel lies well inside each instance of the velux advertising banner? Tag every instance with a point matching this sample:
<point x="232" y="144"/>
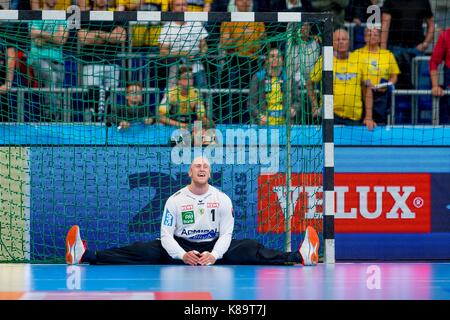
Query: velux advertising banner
<point x="364" y="202"/>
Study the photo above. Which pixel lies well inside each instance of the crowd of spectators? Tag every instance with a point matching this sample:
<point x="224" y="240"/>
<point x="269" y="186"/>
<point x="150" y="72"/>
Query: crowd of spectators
<point x="243" y="60"/>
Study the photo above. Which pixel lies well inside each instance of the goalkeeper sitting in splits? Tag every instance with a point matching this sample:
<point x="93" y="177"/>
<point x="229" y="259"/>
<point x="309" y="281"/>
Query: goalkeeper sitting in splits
<point x="196" y="229"/>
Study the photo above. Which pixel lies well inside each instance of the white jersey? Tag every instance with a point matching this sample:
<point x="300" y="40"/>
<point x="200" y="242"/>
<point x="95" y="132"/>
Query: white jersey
<point x="197" y="218"/>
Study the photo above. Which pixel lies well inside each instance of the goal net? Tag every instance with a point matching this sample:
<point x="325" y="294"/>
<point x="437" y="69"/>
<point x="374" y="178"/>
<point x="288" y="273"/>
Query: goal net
<point x="103" y="114"/>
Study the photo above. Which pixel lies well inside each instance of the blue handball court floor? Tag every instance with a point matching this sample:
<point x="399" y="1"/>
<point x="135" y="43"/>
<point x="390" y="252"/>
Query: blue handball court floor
<point x="340" y="281"/>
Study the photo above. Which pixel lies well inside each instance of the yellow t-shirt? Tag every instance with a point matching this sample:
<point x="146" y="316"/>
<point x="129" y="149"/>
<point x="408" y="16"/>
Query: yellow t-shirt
<point x="245" y="37"/>
<point x="146" y="34"/>
<point x="274" y="100"/>
<point x="377" y="65"/>
<point x="348" y="75"/>
<point x="197" y="5"/>
<point x="163" y="5"/>
<point x="60" y="4"/>
<point x="182" y="107"/>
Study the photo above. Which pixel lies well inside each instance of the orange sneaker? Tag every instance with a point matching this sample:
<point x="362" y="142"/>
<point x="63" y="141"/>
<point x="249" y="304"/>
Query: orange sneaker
<point x="309" y="249"/>
<point x="75" y="248"/>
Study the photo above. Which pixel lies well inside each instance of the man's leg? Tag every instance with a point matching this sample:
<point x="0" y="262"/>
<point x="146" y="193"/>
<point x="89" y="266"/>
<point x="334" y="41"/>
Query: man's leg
<point x="252" y="252"/>
<point x="249" y="251"/>
<point x="150" y="252"/>
<point x="380" y="107"/>
<point x="137" y="253"/>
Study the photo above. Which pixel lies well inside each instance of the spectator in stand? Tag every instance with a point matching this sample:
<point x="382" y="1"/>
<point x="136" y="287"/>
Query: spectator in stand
<point x="144" y="35"/>
<point x="441" y="53"/>
<point x="348" y="86"/>
<point x="336" y="7"/>
<point x="8" y="60"/>
<point x="240" y="47"/>
<point x="282" y="5"/>
<point x="306" y="51"/>
<point x="232" y="7"/>
<point x="274" y="29"/>
<point x="9" y="4"/>
<point x="268" y="102"/>
<point x="403" y="34"/>
<point x="100" y="42"/>
<point x="219" y="6"/>
<point x="356" y="11"/>
<point x="380" y="67"/>
<point x="181" y="103"/>
<point x="242" y="43"/>
<point x="47" y="59"/>
<point x="59" y="4"/>
<point x="134" y="111"/>
<point x="183" y="42"/>
<point x="112" y="5"/>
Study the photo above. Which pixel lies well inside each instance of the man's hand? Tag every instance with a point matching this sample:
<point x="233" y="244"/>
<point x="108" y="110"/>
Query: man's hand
<point x="293" y="112"/>
<point x="370" y="124"/>
<point x="437" y="91"/>
<point x="149" y="121"/>
<point x="206" y="259"/>
<point x="4" y="88"/>
<point x="191" y="258"/>
<point x="124" y="124"/>
<point x="316" y="111"/>
<point x="262" y="120"/>
<point x="422" y="46"/>
<point x="39" y="42"/>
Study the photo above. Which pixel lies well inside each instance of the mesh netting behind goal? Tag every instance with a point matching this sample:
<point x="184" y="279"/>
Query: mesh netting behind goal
<point x="93" y="118"/>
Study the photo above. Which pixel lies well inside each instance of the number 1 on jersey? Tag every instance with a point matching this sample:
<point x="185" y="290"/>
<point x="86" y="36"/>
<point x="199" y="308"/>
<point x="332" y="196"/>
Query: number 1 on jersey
<point x="213" y="213"/>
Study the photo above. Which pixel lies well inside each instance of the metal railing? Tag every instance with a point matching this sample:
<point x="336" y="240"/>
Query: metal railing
<point x="67" y="93"/>
<point x="414" y="108"/>
<point x="208" y="96"/>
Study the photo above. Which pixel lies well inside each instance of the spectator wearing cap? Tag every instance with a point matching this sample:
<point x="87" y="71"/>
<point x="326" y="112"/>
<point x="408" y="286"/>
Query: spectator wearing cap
<point x="183" y="103"/>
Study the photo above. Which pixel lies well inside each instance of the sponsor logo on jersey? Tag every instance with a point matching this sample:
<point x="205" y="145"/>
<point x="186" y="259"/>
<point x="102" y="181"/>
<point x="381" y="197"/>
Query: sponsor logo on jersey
<point x="188" y="217"/>
<point x="212" y="205"/>
<point x="346" y="76"/>
<point x="168" y="218"/>
<point x="200" y="203"/>
<point x="201" y="234"/>
<point x="187" y="207"/>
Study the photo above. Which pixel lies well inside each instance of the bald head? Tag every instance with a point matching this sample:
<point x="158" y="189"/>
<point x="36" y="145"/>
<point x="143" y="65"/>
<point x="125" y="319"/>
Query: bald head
<point x="341" y="41"/>
<point x="200" y="160"/>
